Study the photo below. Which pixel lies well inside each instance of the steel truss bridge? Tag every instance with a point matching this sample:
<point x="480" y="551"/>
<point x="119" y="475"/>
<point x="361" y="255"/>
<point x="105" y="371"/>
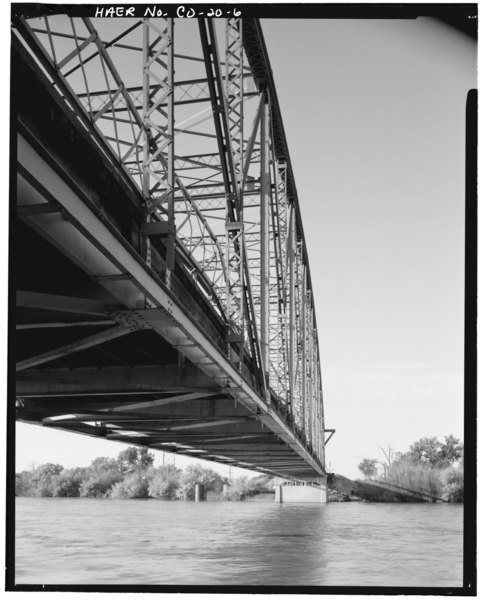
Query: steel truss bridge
<point x="163" y="293"/>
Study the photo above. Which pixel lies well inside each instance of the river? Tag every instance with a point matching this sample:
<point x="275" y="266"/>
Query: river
<point x="69" y="541"/>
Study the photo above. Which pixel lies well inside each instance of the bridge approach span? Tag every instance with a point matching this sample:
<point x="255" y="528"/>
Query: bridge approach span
<point x="163" y="295"/>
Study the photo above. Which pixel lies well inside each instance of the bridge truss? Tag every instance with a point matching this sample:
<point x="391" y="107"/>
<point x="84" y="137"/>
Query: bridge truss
<point x="186" y="112"/>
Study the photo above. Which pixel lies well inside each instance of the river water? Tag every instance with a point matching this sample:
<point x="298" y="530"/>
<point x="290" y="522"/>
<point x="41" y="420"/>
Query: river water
<point x="69" y="541"/>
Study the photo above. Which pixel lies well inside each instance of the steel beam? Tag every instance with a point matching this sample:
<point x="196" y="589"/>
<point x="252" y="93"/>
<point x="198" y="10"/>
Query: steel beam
<point x="93" y="381"/>
<point x="164" y="401"/>
<point x="63" y="324"/>
<point x="56" y="302"/>
<point x="87" y="342"/>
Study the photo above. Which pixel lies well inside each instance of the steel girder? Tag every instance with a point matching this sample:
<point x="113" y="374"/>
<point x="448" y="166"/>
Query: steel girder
<point x="219" y="194"/>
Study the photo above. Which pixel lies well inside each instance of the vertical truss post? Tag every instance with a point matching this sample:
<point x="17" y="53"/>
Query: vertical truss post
<point x="234" y="215"/>
<point x="305" y="349"/>
<point x="158" y="126"/>
<point x="321" y="420"/>
<point x="234" y="83"/>
<point x="264" y="231"/>
<point x="317" y="446"/>
<point x="146" y="246"/>
<point x="278" y="342"/>
<point x="311" y="373"/>
<point x="312" y="369"/>
<point x="291" y="253"/>
<point x="300" y="350"/>
<point x="234" y="286"/>
<point x="170" y="153"/>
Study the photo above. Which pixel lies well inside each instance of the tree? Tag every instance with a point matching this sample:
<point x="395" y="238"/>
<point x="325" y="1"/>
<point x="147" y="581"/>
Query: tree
<point x="23" y="484"/>
<point x="451" y="451"/>
<point x="368" y="467"/>
<point x="135" y="459"/>
<point x="425" y="452"/>
<point x="103" y="463"/>
<point x="145" y="458"/>
<point x="390" y="455"/>
<point x="432" y="452"/>
<point x="41" y="480"/>
<point x="67" y="483"/>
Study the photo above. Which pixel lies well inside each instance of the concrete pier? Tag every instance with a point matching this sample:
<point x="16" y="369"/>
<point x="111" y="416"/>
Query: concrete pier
<point x="301" y="493"/>
<point x="200" y="493"/>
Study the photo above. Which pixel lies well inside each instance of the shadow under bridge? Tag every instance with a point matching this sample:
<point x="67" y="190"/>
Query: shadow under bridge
<point x="163" y="295"/>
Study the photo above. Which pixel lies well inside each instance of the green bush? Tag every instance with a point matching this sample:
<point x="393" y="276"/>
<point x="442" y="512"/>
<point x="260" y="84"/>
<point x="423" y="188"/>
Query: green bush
<point x="245" y="487"/>
<point x="237" y="489"/>
<point x="99" y="483"/>
<point x="416" y="477"/>
<point x="134" y="485"/>
<point x="453" y="488"/>
<point x="67" y="484"/>
<point x="193" y="474"/>
<point x="23" y="484"/>
<point x="164" y="482"/>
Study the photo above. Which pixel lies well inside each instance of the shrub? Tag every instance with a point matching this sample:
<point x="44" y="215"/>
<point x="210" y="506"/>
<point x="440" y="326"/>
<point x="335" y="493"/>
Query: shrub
<point x="67" y="484"/>
<point x="453" y="488"/>
<point x="99" y="483"/>
<point x="416" y="477"/>
<point x="134" y="485"/>
<point x="164" y="482"/>
<point x="23" y="484"/>
<point x="236" y="490"/>
<point x="245" y="487"/>
<point x="193" y="474"/>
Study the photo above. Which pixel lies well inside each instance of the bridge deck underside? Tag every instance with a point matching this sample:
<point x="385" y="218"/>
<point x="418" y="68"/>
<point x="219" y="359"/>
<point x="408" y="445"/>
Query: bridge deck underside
<point x="135" y="388"/>
<point x="101" y="348"/>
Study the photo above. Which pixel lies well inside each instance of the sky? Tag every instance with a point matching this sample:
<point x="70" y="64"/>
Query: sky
<point x="374" y="113"/>
<point x="374" y="118"/>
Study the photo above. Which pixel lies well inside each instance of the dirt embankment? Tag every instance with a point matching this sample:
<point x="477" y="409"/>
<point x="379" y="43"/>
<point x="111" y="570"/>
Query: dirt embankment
<point x="342" y="489"/>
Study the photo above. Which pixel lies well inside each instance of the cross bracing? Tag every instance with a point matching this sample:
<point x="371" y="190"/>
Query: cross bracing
<point x="187" y="111"/>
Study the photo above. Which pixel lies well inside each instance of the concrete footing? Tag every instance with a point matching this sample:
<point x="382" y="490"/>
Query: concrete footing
<point x="301" y="493"/>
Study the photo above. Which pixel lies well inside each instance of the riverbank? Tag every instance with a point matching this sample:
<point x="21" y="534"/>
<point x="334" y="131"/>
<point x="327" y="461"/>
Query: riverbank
<point x="342" y="489"/>
<point x="132" y="475"/>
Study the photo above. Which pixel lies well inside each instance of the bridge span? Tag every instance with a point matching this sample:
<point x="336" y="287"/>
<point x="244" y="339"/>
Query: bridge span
<point x="163" y="292"/>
